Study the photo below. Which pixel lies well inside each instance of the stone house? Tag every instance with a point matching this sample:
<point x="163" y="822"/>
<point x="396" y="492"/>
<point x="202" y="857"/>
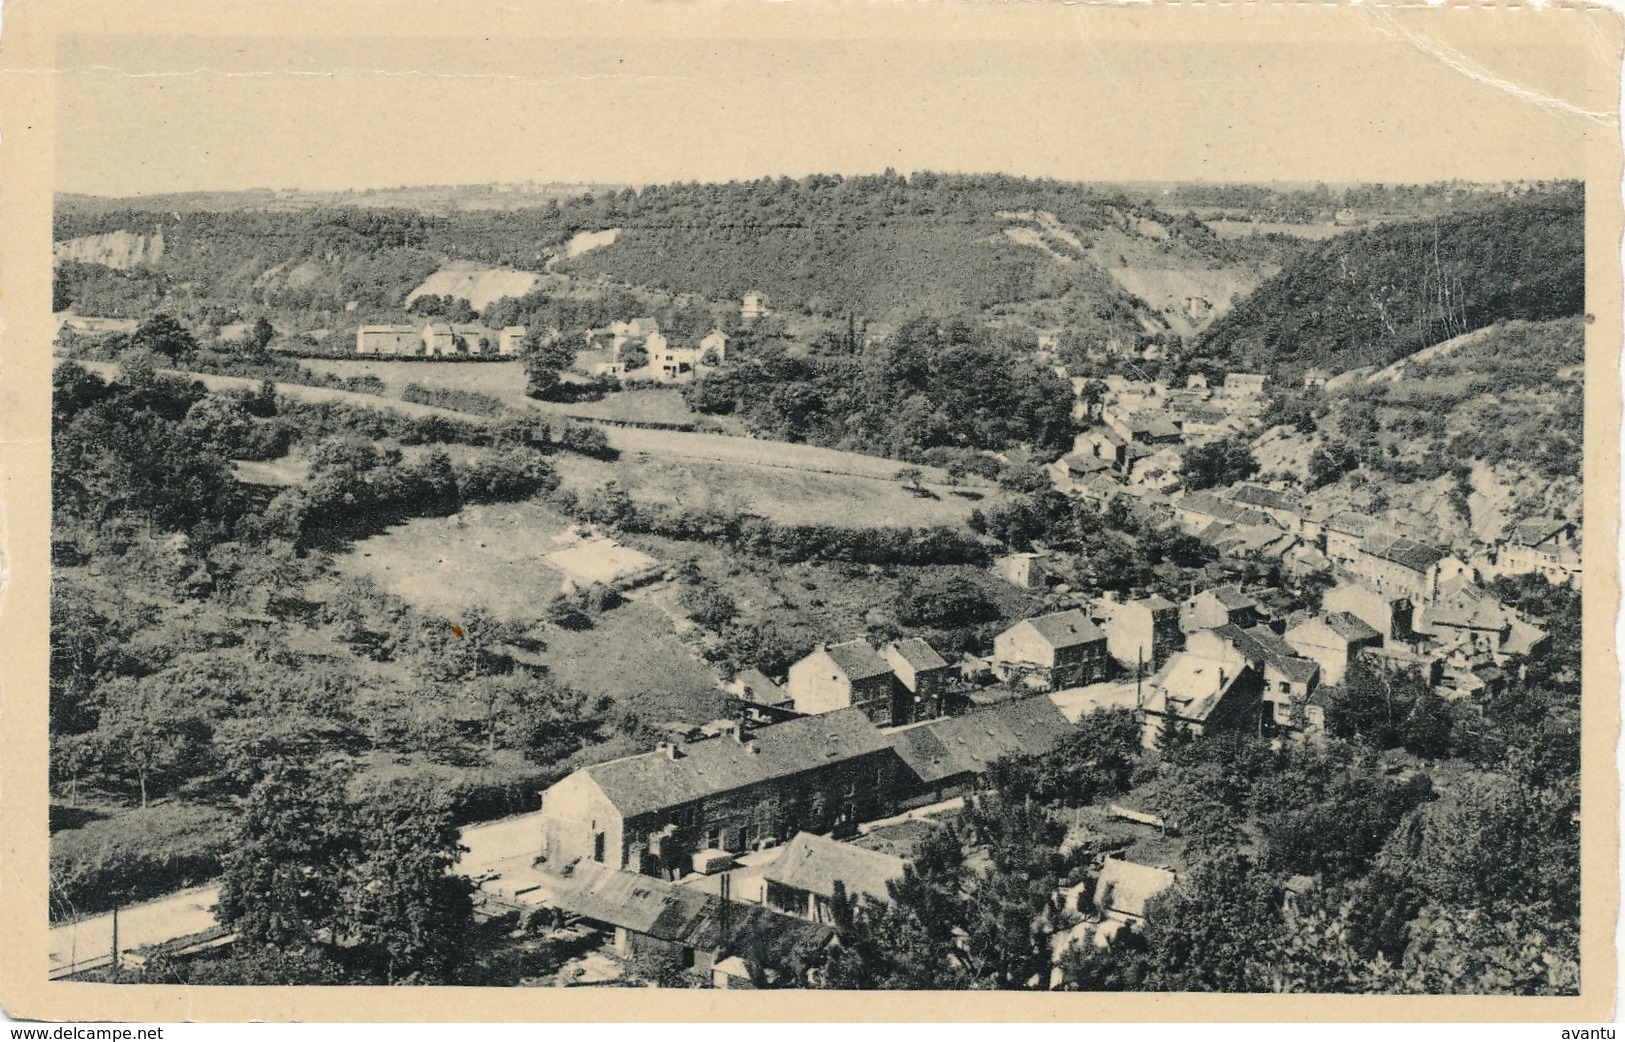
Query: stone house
<point x="653" y="812"/>
<point x="802" y="880"/>
<point x="1059" y="650"/>
<point x="1202" y="696"/>
<point x="1143" y="633"/>
<point x="1331" y="641"/>
<point x="944" y="757"/>
<point x="835" y="676"/>
<point x="921" y="680"/>
<point x="1222" y="605"/>
<point x="700" y="931"/>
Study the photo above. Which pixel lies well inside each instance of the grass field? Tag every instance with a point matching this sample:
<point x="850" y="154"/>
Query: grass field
<point x="492" y="557"/>
<point x="503" y="380"/>
<point x="485" y="556"/>
<point x="632" y="656"/>
<point x="786" y="495"/>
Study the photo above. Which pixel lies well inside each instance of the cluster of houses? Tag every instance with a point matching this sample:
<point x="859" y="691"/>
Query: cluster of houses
<point x="1134" y="438"/>
<point x="758" y="821"/>
<point x="438" y="339"/>
<point x="637" y="349"/>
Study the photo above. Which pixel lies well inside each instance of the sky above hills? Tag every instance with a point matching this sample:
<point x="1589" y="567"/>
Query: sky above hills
<point x="1075" y="93"/>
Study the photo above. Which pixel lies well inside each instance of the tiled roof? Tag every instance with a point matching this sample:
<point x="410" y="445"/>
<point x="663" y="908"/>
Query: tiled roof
<point x="814" y="864"/>
<point x="857" y="660"/>
<point x="1349" y="627"/>
<point x="958" y="745"/>
<point x="1233" y="597"/>
<point x="682" y="915"/>
<point x="654" y="781"/>
<point x="1407" y="553"/>
<point x="918" y="653"/>
<point x="1270" y="499"/>
<point x="1065" y="629"/>
<point x="1260" y="646"/>
<point x="1534" y="531"/>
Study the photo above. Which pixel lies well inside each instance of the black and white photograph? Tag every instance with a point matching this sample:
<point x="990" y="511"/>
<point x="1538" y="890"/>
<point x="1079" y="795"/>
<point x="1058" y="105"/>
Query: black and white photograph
<point x="764" y="498"/>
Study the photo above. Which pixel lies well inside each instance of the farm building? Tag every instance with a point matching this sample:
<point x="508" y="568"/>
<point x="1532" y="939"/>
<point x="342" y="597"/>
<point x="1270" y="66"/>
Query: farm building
<point x="388" y="340"/>
<point x="511" y="340"/>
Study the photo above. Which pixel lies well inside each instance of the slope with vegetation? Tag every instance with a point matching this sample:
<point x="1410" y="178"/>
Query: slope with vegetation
<point x="1373" y="296"/>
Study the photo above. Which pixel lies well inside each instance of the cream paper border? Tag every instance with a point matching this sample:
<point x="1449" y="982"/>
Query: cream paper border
<point x="27" y="121"/>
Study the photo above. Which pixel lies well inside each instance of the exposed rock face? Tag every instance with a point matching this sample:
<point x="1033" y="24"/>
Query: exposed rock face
<point x="120" y="249"/>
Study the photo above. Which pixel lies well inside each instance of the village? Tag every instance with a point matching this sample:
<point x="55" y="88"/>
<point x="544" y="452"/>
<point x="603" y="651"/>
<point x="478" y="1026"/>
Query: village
<point x="728" y="846"/>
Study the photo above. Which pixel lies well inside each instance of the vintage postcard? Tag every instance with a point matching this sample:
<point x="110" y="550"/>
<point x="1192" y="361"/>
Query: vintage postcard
<point x="655" y="512"/>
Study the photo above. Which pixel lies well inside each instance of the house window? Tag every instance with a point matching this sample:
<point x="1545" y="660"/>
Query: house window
<point x="598" y="847"/>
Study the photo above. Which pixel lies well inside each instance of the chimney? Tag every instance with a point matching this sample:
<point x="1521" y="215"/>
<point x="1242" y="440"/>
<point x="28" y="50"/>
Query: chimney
<point x="673" y="750"/>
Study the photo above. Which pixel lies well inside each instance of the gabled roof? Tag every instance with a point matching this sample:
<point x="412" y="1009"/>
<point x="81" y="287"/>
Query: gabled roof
<point x="857" y="660"/>
<point x="654" y="781"/>
<point x="918" y="653"/>
<point x="1350" y="524"/>
<point x="1534" y="531"/>
<point x="1127" y="887"/>
<point x="1262" y="646"/>
<point x="1349" y="626"/>
<point x="1190" y="687"/>
<point x="1085" y="463"/>
<point x="1407" y="553"/>
<point x="1268" y="498"/>
<point x="1155" y="603"/>
<point x="387" y="329"/>
<point x="756" y="686"/>
<point x="952" y="746"/>
<point x="682" y="915"/>
<point x="1233" y="597"/>
<point x="814" y="864"/>
<point x="1063" y="629"/>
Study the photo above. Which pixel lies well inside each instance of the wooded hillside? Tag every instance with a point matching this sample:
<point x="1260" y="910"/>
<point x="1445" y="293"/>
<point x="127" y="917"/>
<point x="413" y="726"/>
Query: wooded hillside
<point x="1374" y="296"/>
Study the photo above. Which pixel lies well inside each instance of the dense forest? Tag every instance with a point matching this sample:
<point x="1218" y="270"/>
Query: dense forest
<point x="1373" y="296"/>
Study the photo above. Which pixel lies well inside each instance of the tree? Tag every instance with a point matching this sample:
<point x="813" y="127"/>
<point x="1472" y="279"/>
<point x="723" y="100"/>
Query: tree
<point x="1330" y="461"/>
<point x="149" y="733"/>
<point x="283" y="879"/>
<point x="547" y="357"/>
<point x="1219" y="463"/>
<point x="260" y="336"/>
<point x="944" y="601"/>
<point x="1206" y="934"/>
<point x="163" y="335"/>
<point x="402" y="899"/>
